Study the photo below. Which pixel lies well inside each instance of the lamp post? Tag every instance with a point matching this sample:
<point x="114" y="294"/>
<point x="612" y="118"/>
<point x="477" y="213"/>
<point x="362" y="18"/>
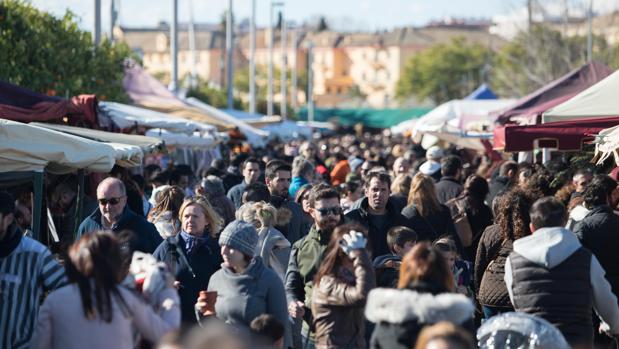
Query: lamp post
<point x="252" y="57"/>
<point x="174" y="47"/>
<point x="229" y="45"/>
<point x="284" y="68"/>
<point x="270" y="70"/>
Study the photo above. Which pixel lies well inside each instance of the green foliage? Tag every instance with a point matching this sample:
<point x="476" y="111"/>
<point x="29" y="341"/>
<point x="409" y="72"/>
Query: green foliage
<point x="216" y="97"/>
<point x="53" y="56"/>
<point x="541" y="55"/>
<point x="444" y="72"/>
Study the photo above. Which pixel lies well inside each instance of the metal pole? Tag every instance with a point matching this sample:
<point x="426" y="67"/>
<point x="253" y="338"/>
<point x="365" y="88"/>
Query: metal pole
<point x="589" y="32"/>
<point x="284" y="69"/>
<point x="96" y="31"/>
<point x="310" y="85"/>
<point x="252" y="57"/>
<point x="193" y="80"/>
<point x="80" y="202"/>
<point x="37" y="205"/>
<point x="113" y="17"/>
<point x="230" y="68"/>
<point x="293" y="78"/>
<point x="270" y="70"/>
<point x="173" y="47"/>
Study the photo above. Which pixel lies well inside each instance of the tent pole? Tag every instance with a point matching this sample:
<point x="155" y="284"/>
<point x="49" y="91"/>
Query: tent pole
<point x="79" y="203"/>
<point x="37" y="205"/>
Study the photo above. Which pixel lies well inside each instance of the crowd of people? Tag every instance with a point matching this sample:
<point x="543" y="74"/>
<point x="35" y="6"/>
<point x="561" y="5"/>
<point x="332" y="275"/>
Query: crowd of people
<point x="365" y="241"/>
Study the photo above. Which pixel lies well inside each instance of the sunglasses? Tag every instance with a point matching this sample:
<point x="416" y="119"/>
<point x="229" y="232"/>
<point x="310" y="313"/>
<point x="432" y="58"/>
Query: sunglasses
<point x="111" y="201"/>
<point x="329" y="210"/>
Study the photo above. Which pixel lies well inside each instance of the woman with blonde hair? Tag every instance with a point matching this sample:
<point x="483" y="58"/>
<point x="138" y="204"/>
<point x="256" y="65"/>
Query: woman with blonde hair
<point x="424" y="297"/>
<point x="428" y="217"/>
<point x="164" y="215"/>
<point x="272" y="247"/>
<point x="193" y="254"/>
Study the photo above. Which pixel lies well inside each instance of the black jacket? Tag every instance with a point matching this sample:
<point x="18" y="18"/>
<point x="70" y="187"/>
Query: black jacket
<point x="146" y="238"/>
<point x="447" y="188"/>
<point x="387" y="270"/>
<point x="192" y="271"/>
<point x="497" y="186"/>
<point x="400" y="314"/>
<point x="297" y="227"/>
<point x="599" y="232"/>
<point x="432" y="227"/>
<point x="377" y="237"/>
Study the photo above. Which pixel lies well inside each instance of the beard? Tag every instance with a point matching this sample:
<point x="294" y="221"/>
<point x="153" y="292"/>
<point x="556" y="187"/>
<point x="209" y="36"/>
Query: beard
<point x="329" y="224"/>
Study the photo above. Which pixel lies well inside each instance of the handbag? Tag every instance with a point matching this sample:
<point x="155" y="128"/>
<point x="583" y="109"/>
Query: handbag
<point x="463" y="227"/>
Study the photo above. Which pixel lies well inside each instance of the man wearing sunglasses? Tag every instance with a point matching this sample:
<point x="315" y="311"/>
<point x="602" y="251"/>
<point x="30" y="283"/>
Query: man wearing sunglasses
<point x="306" y="256"/>
<point x="114" y="214"/>
<point x="376" y="213"/>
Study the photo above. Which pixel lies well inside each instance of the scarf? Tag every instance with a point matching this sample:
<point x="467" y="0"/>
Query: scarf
<point x="193" y="243"/>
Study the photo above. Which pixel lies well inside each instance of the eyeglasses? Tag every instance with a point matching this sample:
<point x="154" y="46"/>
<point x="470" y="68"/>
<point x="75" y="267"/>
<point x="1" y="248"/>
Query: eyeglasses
<point x="329" y="210"/>
<point x="111" y="201"/>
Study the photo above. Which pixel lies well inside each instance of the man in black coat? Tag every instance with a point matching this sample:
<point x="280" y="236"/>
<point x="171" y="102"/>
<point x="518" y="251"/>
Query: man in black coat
<point x="508" y="174"/>
<point x="598" y="230"/>
<point x="449" y="186"/>
<point x="376" y="213"/>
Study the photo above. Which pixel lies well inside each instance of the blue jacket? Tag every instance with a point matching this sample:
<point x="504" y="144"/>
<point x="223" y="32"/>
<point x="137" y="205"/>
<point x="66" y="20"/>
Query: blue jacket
<point x="146" y="237"/>
<point x="295" y="185"/>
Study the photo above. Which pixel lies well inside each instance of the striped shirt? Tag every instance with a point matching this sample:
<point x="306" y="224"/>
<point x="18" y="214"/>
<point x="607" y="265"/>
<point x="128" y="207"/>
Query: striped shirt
<point x="25" y="274"/>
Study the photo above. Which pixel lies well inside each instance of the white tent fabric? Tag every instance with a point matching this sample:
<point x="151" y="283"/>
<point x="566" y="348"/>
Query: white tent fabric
<point x="25" y="147"/>
<point x="607" y="144"/>
<point x="127" y="155"/>
<point x="599" y="100"/>
<point x="181" y="139"/>
<point x="256" y="137"/>
<point x="403" y="127"/>
<point x="457" y="116"/>
<point x="125" y="116"/>
<point x="288" y="130"/>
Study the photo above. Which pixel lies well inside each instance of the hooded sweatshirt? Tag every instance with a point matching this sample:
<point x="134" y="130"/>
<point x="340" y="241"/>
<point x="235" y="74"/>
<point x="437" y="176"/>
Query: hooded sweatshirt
<point x="548" y="248"/>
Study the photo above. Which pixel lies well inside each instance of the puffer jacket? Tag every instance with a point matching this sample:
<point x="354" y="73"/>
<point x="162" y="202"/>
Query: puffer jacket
<point x="337" y="306"/>
<point x="400" y="314"/>
<point x="490" y="269"/>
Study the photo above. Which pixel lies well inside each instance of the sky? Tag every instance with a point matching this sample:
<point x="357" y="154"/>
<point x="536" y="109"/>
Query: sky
<point x="368" y="15"/>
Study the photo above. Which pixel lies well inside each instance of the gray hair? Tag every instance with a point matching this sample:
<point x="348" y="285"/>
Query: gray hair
<point x="301" y="167"/>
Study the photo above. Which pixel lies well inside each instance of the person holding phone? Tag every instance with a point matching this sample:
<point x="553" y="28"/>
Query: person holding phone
<point x="341" y="287"/>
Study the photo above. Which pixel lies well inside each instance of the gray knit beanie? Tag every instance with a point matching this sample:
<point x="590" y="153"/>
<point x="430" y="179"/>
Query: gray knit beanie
<point x="240" y="236"/>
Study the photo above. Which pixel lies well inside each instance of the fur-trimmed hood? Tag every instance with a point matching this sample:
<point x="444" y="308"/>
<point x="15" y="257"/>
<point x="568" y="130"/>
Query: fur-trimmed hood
<point x="396" y="306"/>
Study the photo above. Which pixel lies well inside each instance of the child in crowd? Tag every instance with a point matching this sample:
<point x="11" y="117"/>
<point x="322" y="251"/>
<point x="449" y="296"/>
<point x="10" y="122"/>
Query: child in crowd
<point x="268" y="331"/>
<point x="387" y="267"/>
<point x="461" y="269"/>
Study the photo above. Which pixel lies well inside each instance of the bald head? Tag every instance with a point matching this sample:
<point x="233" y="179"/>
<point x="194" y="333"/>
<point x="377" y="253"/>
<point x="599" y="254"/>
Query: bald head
<point x="112" y="198"/>
<point x="112" y="182"/>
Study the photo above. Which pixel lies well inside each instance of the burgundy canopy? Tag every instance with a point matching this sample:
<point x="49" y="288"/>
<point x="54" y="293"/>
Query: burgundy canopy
<point x="565" y="135"/>
<point x="20" y="104"/>
<point x="570" y="84"/>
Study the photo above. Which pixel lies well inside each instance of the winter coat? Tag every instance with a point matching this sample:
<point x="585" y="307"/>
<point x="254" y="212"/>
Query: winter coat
<point x="339" y="172"/>
<point x="400" y="314"/>
<point x="447" y="188"/>
<point x="146" y="237"/>
<point x="193" y="271"/>
<point x="433" y="226"/>
<point x="61" y="322"/>
<point x="598" y="232"/>
<point x="236" y="194"/>
<point x="337" y="306"/>
<point x="241" y="297"/>
<point x="498" y="185"/>
<point x="377" y="237"/>
<point x="550" y="274"/>
<point x="274" y="249"/>
<point x="295" y="229"/>
<point x="479" y="218"/>
<point x="490" y="269"/>
<point x="295" y="184"/>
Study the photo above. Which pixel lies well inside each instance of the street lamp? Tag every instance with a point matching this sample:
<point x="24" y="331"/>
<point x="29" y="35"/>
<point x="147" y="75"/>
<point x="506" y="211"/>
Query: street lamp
<point x="252" y="59"/>
<point x="270" y="71"/>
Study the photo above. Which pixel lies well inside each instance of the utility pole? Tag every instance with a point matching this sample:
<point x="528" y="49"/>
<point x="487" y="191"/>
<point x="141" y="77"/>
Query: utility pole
<point x="193" y="77"/>
<point x="284" y="69"/>
<point x="252" y="58"/>
<point x="96" y="30"/>
<point x="270" y="69"/>
<point x="229" y="45"/>
<point x="310" y="84"/>
<point x="530" y="14"/>
<point x="113" y="18"/>
<point x="293" y="78"/>
<point x="590" y="32"/>
<point x="174" y="47"/>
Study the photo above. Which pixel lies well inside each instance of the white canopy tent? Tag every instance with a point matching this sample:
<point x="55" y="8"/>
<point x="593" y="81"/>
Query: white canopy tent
<point x="125" y="116"/>
<point x="288" y="130"/>
<point x="470" y="120"/>
<point x="256" y="137"/>
<point x="181" y="139"/>
<point x="26" y="147"/>
<point x="599" y="100"/>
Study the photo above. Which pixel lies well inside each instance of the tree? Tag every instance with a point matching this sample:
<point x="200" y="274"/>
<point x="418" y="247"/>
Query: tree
<point x="213" y="96"/>
<point x="444" y="72"/>
<point x="541" y="55"/>
<point x="53" y="56"/>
